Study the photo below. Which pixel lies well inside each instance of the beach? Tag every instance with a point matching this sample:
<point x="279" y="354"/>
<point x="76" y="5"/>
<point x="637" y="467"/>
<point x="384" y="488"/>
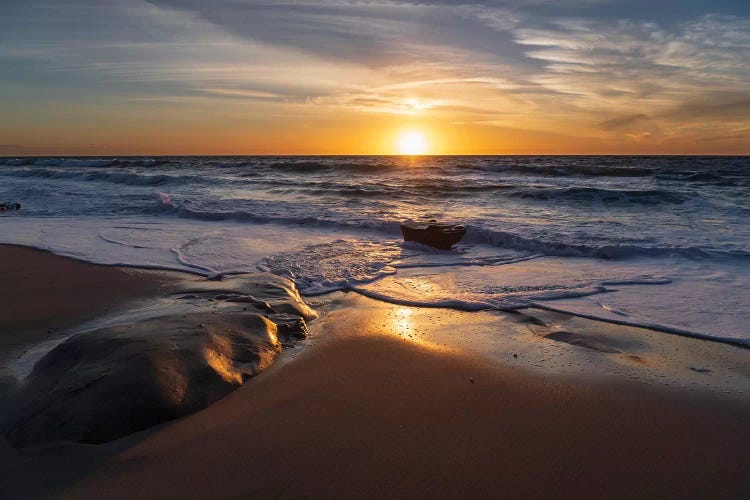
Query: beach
<point x="367" y="408"/>
<point x="374" y="249"/>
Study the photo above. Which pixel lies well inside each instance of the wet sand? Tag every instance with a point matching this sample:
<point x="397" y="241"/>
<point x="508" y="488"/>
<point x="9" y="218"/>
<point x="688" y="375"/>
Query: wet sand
<point x="42" y="293"/>
<point x="367" y="412"/>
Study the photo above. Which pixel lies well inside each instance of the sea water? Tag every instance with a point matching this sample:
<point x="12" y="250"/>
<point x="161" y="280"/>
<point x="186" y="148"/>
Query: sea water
<point x="661" y="242"/>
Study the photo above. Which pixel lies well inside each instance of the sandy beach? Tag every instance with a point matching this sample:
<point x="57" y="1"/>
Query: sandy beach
<point x="363" y="411"/>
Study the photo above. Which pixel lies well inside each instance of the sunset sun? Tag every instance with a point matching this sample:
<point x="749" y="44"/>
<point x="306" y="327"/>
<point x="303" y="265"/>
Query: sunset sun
<point x="411" y="143"/>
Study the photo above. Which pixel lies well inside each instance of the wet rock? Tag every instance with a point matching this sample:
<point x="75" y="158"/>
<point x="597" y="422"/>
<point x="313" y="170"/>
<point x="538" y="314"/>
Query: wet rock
<point x="275" y="292"/>
<point x="290" y="327"/>
<point x="106" y="383"/>
<point x="442" y="236"/>
<point x="101" y="385"/>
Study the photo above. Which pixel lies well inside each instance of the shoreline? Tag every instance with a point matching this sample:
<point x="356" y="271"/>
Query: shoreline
<point x="43" y="293"/>
<point x="375" y="408"/>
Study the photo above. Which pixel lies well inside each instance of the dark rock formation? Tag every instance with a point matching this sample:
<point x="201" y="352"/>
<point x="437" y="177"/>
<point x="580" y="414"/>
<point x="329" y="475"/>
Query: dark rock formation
<point x="109" y="382"/>
<point x="442" y="236"/>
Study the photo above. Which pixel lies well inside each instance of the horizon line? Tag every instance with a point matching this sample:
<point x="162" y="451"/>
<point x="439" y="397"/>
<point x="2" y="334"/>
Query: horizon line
<point x="330" y="155"/>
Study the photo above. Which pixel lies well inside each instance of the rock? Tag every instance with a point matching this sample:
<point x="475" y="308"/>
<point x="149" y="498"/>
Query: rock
<point x="273" y="292"/>
<point x="290" y="327"/>
<point x="8" y="206"/>
<point x="442" y="236"/>
<point x="103" y="384"/>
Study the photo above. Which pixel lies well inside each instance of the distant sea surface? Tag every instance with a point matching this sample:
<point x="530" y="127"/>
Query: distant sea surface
<point x="662" y="242"/>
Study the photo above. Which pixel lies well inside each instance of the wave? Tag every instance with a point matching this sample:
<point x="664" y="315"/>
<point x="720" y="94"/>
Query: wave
<point x="727" y="178"/>
<point x="233" y="164"/>
<point x="408" y="188"/>
<point x="87" y="163"/>
<point x="124" y="177"/>
<point x="513" y="241"/>
<point x="15" y="162"/>
<point x="454" y="187"/>
<point x="647" y="324"/>
<point x="64" y="162"/>
<point x="83" y="162"/>
<point x="638" y="197"/>
<point x="351" y="164"/>
<point x="719" y="171"/>
<point x="474" y="235"/>
<point x="568" y="170"/>
<point x="359" y="192"/>
<point x="167" y="206"/>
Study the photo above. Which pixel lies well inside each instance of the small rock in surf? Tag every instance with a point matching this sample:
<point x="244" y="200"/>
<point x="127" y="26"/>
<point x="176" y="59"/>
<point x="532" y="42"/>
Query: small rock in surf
<point x="8" y="206"/>
<point x="442" y="236"/>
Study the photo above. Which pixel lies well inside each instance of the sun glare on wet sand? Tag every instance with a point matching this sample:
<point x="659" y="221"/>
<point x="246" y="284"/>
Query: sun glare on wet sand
<point x="412" y="143"/>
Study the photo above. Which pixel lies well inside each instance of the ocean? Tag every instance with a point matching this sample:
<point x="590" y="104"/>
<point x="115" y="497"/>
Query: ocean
<point x="660" y="242"/>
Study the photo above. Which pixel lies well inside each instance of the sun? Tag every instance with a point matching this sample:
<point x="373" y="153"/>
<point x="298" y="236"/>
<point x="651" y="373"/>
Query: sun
<point x="412" y="143"/>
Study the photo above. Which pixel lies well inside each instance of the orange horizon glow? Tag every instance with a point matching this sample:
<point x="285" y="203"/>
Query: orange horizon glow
<point x="379" y="136"/>
<point x="200" y="132"/>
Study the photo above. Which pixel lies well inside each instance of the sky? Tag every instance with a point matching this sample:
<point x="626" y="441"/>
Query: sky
<point x="136" y="77"/>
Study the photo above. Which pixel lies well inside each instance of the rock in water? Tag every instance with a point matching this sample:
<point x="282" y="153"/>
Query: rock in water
<point x="4" y="207"/>
<point x="104" y="384"/>
<point x="442" y="236"/>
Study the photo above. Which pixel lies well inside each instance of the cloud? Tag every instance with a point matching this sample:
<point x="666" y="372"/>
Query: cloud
<point x="716" y="106"/>
<point x="603" y="67"/>
<point x="240" y="93"/>
<point x="623" y="122"/>
<point x="711" y="51"/>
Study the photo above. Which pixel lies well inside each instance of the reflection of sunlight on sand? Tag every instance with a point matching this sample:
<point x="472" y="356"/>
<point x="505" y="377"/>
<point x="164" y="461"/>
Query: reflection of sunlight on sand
<point x="401" y="323"/>
<point x="409" y="323"/>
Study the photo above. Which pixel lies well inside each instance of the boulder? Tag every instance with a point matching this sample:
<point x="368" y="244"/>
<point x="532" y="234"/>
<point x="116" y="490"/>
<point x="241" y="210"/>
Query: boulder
<point x="105" y="383"/>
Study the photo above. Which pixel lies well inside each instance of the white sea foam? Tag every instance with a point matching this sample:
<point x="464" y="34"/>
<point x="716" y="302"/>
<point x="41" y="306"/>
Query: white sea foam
<point x="685" y="297"/>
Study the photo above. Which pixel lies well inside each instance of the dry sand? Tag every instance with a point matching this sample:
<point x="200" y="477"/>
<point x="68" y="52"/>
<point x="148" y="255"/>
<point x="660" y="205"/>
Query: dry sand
<point x="362" y="413"/>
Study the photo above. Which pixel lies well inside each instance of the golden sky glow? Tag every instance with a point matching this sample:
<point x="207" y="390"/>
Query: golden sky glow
<point x="347" y="77"/>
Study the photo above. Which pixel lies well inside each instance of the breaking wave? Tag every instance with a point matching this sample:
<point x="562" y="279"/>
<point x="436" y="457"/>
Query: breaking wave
<point x="638" y="197"/>
<point x="120" y="177"/>
<point x="474" y="235"/>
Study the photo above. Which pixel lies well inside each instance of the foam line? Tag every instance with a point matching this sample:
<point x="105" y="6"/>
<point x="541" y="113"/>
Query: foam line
<point x="207" y="271"/>
<point x="744" y="343"/>
<point x="495" y="261"/>
<point x="116" y="242"/>
<point x="461" y="305"/>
